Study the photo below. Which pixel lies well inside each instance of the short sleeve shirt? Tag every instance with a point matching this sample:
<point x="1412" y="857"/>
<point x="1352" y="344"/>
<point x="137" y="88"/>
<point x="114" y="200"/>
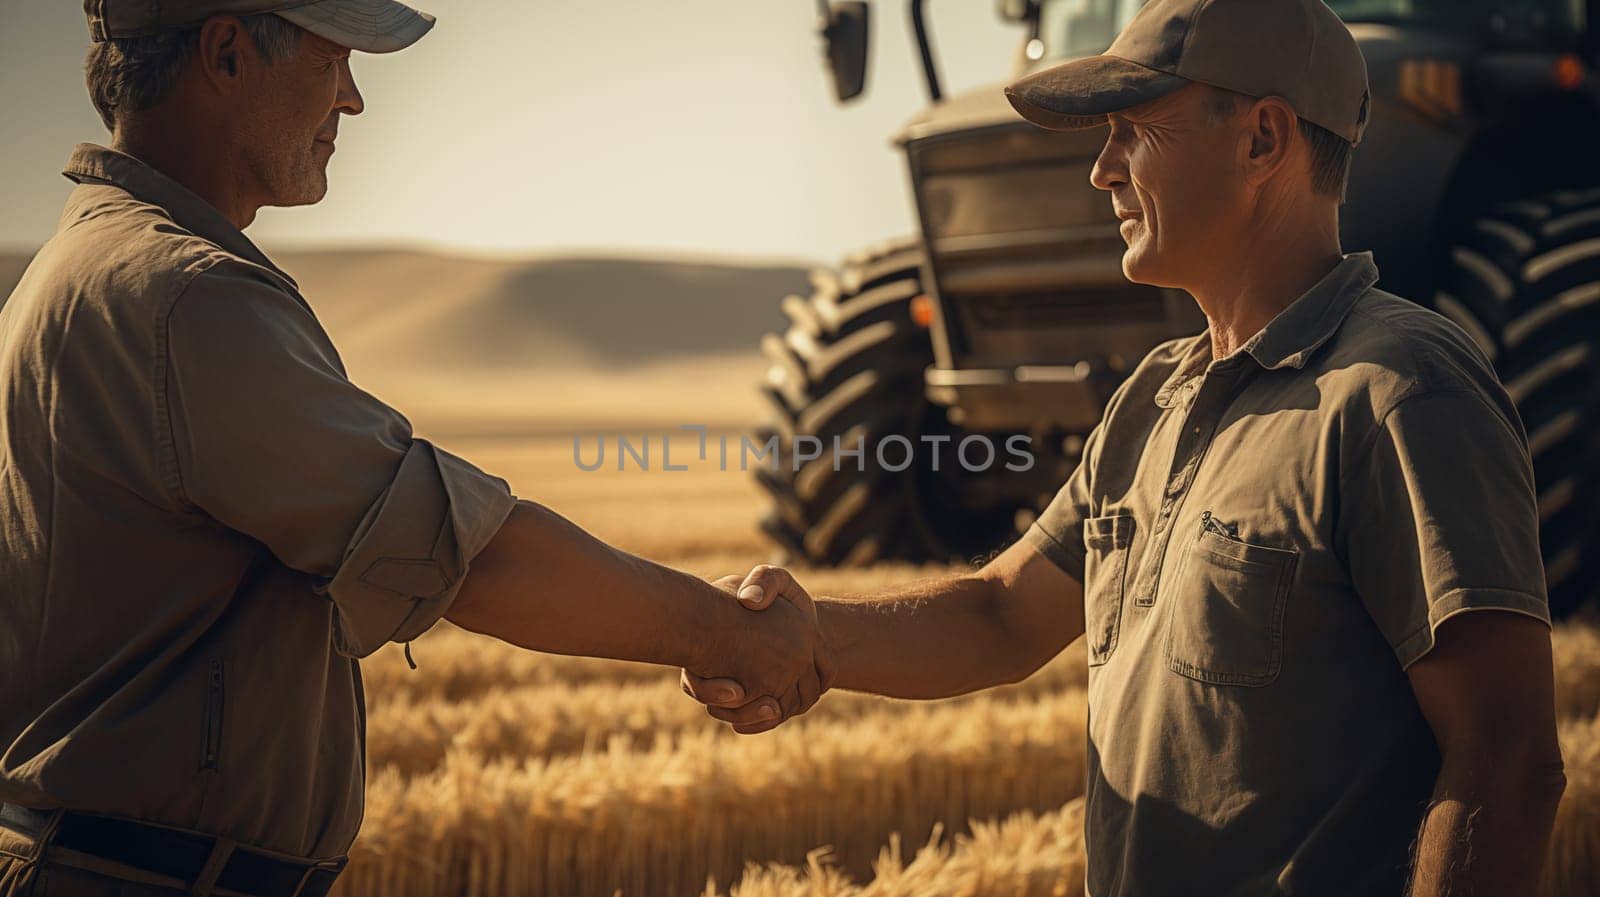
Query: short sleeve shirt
<point x="203" y="524"/>
<point x="1266" y="542"/>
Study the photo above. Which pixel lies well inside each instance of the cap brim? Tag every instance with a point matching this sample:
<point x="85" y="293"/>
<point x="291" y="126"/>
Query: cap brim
<point x="1079" y="94"/>
<point x="371" y="26"/>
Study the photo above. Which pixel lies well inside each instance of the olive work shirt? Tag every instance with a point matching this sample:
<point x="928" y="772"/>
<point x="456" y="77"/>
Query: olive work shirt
<point x="203" y="523"/>
<point x="1266" y="541"/>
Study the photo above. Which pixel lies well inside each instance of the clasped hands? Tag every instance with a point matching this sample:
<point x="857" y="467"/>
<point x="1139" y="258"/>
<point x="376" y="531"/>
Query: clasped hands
<point x="774" y="665"/>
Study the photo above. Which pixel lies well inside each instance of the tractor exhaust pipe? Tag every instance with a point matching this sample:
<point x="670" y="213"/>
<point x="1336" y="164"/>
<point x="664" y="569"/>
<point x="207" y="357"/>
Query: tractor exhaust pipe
<point x="930" y="71"/>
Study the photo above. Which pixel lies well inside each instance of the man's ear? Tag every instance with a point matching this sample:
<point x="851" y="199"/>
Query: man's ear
<point x="1273" y="124"/>
<point x="223" y="53"/>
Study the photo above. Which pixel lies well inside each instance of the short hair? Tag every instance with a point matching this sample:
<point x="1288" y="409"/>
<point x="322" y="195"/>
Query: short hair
<point x="1330" y="153"/>
<point x="132" y="74"/>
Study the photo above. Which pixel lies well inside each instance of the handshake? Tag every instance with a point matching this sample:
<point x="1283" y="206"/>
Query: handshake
<point x="773" y="665"/>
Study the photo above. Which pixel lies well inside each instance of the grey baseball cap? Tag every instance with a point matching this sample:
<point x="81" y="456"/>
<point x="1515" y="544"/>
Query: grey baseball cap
<point x="1295" y="49"/>
<point x="372" y="26"/>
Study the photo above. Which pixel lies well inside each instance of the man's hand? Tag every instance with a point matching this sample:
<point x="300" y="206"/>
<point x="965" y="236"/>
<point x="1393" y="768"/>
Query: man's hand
<point x="925" y="640"/>
<point x="737" y="696"/>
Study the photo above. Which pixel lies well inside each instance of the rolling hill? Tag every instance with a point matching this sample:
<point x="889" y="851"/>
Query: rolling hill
<point x="541" y="343"/>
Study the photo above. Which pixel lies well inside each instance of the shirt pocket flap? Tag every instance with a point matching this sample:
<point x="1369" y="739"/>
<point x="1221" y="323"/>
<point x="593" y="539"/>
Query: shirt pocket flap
<point x="1245" y="552"/>
<point x="1106" y="533"/>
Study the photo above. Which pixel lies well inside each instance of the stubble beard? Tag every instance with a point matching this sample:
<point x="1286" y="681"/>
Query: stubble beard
<point x="301" y="179"/>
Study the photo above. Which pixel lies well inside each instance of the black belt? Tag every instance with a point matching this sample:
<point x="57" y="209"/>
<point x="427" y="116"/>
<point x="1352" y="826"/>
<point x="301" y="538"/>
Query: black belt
<point x="176" y="854"/>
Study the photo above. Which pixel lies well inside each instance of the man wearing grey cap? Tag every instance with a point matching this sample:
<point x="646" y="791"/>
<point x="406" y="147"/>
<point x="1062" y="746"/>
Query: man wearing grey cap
<point x="1301" y="545"/>
<point x="204" y="523"/>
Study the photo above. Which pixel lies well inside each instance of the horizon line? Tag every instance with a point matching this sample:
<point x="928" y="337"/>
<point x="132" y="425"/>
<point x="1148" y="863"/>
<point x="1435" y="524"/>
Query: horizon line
<point x="532" y="254"/>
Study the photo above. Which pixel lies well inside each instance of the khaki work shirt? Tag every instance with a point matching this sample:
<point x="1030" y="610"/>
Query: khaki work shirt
<point x="203" y="523"/>
<point x="1266" y="542"/>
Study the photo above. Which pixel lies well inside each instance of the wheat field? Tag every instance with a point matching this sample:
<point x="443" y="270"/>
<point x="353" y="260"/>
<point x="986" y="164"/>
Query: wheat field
<point x="496" y="772"/>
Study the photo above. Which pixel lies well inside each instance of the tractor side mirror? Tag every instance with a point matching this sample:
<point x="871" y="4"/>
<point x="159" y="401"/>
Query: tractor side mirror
<point x="845" y="34"/>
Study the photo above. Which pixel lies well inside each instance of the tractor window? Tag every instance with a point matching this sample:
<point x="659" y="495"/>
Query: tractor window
<point x="1083" y="27"/>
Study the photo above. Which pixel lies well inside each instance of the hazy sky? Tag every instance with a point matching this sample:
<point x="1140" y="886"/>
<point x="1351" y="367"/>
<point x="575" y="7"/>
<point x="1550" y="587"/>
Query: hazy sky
<point x="704" y="126"/>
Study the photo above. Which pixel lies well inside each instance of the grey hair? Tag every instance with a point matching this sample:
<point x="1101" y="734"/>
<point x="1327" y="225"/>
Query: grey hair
<point x="132" y="74"/>
<point x="1330" y="153"/>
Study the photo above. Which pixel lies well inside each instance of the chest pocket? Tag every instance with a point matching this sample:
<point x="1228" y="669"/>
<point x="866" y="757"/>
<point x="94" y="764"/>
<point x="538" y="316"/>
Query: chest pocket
<point x="1106" y="541"/>
<point x="1227" y="604"/>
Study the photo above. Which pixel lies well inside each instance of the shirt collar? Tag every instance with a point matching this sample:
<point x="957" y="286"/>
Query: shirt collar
<point x="96" y="164"/>
<point x="1293" y="334"/>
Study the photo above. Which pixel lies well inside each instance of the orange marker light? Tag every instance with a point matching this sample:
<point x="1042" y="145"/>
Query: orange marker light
<point x="1569" y="72"/>
<point x="922" y="310"/>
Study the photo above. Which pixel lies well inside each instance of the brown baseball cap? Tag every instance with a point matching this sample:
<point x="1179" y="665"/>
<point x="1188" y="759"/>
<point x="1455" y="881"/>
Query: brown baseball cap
<point x="1295" y="49"/>
<point x="372" y="26"/>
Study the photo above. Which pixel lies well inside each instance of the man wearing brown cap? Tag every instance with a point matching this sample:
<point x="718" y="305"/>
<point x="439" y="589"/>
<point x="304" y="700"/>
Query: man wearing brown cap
<point x="1302" y="545"/>
<point x="204" y="523"/>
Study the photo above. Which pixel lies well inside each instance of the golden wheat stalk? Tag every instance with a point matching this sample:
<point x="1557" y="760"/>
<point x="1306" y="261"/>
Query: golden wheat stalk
<point x="624" y="786"/>
<point x="1023" y="855"/>
<point x="702" y="804"/>
<point x="552" y="719"/>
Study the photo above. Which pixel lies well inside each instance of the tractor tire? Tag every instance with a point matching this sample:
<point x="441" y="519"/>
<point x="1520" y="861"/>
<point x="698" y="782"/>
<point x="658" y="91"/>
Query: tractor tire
<point x="1524" y="281"/>
<point x="850" y="365"/>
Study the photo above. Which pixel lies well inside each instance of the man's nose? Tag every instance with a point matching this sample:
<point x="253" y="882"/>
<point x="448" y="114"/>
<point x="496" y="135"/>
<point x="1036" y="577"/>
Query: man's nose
<point x="349" y="100"/>
<point x="1110" y="170"/>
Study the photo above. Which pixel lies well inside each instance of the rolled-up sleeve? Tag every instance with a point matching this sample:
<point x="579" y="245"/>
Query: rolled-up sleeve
<point x="1438" y="516"/>
<point x="270" y="438"/>
<point x="1058" y="533"/>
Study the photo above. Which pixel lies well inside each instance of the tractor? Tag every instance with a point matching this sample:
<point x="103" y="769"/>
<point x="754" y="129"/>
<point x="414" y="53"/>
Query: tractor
<point x="1477" y="187"/>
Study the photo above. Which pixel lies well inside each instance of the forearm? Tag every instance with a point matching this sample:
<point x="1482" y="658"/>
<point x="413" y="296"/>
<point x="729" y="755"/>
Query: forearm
<point x="930" y="640"/>
<point x="544" y="583"/>
<point x="1487" y="828"/>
